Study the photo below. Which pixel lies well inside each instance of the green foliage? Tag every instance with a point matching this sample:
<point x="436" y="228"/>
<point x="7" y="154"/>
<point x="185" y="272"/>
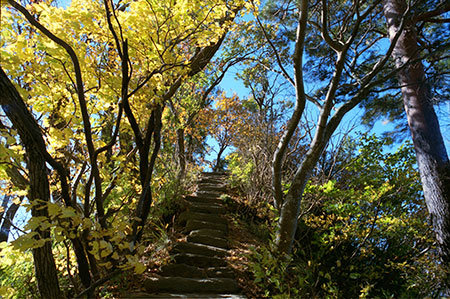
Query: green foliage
<point x="241" y="170"/>
<point x="167" y="201"/>
<point x="366" y="235"/>
<point x="16" y="274"/>
<point x="270" y="271"/>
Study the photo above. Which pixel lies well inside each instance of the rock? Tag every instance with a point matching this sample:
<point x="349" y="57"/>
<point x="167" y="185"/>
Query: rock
<point x="200" y="268"/>
<point x="212" y="186"/>
<point x="215" y="174"/>
<point x="191" y="285"/>
<point x="209" y="233"/>
<point x="191" y="296"/>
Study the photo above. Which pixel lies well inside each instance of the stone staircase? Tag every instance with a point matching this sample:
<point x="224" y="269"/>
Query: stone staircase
<point x="200" y="267"/>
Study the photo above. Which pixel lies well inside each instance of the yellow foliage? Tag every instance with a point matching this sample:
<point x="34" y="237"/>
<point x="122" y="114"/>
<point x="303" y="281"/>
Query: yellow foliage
<point x="163" y="36"/>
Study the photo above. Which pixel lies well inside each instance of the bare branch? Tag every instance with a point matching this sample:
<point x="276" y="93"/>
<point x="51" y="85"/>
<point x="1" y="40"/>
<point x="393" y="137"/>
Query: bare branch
<point x="336" y="46"/>
<point x="277" y="55"/>
<point x="429" y="16"/>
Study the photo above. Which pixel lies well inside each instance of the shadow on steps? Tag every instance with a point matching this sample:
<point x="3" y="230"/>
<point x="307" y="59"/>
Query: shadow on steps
<point x="200" y="267"/>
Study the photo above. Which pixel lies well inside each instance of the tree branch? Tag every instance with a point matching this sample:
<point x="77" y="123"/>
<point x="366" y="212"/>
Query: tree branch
<point x="82" y="103"/>
<point x="277" y="55"/>
<point x="336" y="46"/>
<point x="430" y="15"/>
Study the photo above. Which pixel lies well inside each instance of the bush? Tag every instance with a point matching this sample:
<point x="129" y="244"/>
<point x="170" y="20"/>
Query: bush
<point x="366" y="234"/>
<point x="16" y="274"/>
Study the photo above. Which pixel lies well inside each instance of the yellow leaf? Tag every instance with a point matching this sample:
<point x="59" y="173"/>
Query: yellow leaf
<point x="6" y="291"/>
<point x="87" y="223"/>
<point x="53" y="209"/>
<point x="68" y="212"/>
<point x="139" y="268"/>
<point x="22" y="193"/>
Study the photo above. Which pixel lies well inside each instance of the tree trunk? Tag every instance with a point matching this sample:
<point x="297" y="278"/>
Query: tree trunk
<point x="181" y="154"/>
<point x="31" y="137"/>
<point x="44" y="263"/>
<point x="145" y="200"/>
<point x="431" y="154"/>
<point x="219" y="166"/>
<point x="7" y="219"/>
<point x="4" y="206"/>
<point x="290" y="209"/>
<point x="300" y="103"/>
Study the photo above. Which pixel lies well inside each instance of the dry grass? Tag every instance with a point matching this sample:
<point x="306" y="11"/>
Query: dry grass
<point x="240" y="240"/>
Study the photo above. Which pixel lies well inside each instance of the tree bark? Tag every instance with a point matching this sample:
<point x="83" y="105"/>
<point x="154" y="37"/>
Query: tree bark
<point x="44" y="263"/>
<point x="20" y="182"/>
<point x="31" y="137"/>
<point x="290" y="209"/>
<point x="218" y="166"/>
<point x="4" y="233"/>
<point x="145" y="200"/>
<point x="7" y="220"/>
<point x="181" y="154"/>
<point x="300" y="103"/>
<point x="432" y="158"/>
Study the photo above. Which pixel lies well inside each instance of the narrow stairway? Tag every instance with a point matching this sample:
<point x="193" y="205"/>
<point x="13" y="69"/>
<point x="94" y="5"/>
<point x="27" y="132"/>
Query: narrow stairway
<point x="200" y="267"/>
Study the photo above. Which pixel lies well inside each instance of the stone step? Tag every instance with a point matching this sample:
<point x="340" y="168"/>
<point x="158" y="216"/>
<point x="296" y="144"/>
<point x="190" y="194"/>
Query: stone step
<point x="207" y="240"/>
<point x="212" y="185"/>
<point x="211" y="188"/>
<point x="188" y="215"/>
<point x="198" y="199"/>
<point x="184" y="270"/>
<point x="210" y="208"/>
<point x="209" y="194"/>
<point x="196" y="224"/>
<point x="201" y="261"/>
<point x="208" y="233"/>
<point x="190" y="296"/>
<point x="215" y="174"/>
<point x="191" y="285"/>
<point x="200" y="249"/>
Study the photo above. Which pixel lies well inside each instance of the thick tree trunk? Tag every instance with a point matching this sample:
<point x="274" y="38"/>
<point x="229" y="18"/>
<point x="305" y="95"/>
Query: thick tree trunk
<point x="290" y="209"/>
<point x="431" y="154"/>
<point x="31" y="137"/>
<point x="44" y="263"/>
